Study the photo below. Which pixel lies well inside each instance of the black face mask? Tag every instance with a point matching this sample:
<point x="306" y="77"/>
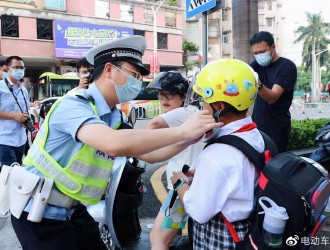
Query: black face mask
<point x="216" y="113"/>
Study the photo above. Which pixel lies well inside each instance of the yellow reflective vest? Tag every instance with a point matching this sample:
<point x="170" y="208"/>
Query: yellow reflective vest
<point x="84" y="178"/>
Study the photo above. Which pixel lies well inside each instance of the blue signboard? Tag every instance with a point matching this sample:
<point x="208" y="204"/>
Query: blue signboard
<point x="195" y="7"/>
<point x="74" y="40"/>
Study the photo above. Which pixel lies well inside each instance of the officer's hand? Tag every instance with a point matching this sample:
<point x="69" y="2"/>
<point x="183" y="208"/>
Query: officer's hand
<point x="198" y="124"/>
<point x="83" y="83"/>
<point x="20" y="117"/>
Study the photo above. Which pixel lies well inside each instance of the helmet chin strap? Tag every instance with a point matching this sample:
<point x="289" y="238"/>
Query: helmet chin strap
<point x="218" y="113"/>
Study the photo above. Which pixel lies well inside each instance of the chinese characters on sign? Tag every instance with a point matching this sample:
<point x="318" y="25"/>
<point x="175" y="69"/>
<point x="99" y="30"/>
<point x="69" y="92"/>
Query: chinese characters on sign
<point x="73" y="40"/>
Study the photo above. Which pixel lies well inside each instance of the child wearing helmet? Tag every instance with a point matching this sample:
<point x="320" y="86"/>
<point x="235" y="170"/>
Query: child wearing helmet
<point x="224" y="179"/>
<point x="172" y="88"/>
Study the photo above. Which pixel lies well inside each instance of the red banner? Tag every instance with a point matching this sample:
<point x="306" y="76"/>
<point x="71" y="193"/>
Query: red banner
<point x="154" y="65"/>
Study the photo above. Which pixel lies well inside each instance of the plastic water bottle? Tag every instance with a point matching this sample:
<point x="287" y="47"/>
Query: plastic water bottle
<point x="274" y="222"/>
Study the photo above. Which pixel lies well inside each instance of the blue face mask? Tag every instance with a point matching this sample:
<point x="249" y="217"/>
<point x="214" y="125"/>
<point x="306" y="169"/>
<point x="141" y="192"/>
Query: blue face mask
<point x="263" y="59"/>
<point x="18" y="74"/>
<point x="4" y="75"/>
<point x="128" y="91"/>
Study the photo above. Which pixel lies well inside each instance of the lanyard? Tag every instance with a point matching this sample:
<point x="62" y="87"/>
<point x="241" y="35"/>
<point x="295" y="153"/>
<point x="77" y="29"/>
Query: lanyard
<point x="12" y="92"/>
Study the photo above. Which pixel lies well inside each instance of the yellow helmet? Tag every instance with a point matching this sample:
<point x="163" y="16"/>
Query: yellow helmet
<point x="227" y="80"/>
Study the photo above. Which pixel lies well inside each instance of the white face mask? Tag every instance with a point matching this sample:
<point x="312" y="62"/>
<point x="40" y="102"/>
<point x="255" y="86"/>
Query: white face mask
<point x="263" y="59"/>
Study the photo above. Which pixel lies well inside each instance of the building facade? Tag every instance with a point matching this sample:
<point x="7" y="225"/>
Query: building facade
<point x="50" y="35"/>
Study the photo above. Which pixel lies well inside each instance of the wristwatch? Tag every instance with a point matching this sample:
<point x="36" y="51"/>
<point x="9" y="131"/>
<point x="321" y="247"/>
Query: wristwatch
<point x="260" y="86"/>
<point x="178" y="184"/>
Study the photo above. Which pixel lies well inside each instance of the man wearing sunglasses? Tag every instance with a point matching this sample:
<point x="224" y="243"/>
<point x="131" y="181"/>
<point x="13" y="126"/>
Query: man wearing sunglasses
<point x="77" y="144"/>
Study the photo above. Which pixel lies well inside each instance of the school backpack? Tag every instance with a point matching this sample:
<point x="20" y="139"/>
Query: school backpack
<point x="295" y="183"/>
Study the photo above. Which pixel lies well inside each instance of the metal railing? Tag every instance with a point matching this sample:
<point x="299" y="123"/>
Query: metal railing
<point x="147" y="111"/>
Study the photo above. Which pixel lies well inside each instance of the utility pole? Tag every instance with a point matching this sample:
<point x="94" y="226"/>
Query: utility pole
<point x="315" y="66"/>
<point x="155" y="57"/>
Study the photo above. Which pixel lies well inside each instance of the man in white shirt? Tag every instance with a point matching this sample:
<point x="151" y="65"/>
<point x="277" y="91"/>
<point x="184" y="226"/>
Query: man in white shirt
<point x="224" y="179"/>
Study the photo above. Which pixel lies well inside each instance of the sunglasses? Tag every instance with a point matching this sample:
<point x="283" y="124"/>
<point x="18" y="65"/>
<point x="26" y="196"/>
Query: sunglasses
<point x="136" y="75"/>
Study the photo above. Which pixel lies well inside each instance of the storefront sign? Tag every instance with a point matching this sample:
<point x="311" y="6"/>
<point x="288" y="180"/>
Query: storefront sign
<point x="74" y="40"/>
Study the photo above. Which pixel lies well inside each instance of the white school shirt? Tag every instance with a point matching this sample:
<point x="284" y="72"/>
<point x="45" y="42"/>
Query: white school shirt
<point x="175" y="118"/>
<point x="224" y="179"/>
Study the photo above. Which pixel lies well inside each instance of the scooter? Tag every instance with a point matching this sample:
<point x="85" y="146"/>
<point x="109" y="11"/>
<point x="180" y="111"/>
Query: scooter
<point x="322" y="153"/>
<point x="117" y="214"/>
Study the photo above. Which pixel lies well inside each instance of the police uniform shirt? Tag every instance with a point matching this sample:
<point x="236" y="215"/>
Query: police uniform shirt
<point x="62" y="143"/>
<point x="12" y="132"/>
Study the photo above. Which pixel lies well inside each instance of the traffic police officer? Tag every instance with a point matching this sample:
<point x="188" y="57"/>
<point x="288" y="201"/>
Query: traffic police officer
<point x="78" y="142"/>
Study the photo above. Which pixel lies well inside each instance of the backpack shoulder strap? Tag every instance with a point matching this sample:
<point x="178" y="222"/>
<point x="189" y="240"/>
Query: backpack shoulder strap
<point x="257" y="158"/>
<point x="269" y="144"/>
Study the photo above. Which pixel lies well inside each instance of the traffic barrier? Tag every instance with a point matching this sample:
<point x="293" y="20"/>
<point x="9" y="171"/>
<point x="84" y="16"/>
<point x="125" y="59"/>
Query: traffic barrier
<point x="148" y="111"/>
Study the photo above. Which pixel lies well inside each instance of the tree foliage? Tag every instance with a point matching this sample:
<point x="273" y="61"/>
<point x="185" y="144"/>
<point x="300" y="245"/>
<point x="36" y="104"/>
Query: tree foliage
<point x="189" y="47"/>
<point x="316" y="32"/>
<point x="303" y="80"/>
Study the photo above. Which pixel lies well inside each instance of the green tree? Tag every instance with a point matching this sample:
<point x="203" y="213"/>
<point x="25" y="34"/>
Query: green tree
<point x="303" y="80"/>
<point x="189" y="48"/>
<point x="314" y="34"/>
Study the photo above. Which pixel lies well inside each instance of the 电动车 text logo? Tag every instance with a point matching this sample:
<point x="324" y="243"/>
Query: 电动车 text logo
<point x="315" y="240"/>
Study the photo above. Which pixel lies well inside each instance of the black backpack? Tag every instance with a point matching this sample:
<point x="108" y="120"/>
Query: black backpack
<point x="291" y="182"/>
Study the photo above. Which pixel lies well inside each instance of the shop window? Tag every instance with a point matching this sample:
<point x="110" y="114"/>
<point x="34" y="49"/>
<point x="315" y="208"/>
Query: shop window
<point x="45" y="29"/>
<point x="9" y="26"/>
<point x="162" y="40"/>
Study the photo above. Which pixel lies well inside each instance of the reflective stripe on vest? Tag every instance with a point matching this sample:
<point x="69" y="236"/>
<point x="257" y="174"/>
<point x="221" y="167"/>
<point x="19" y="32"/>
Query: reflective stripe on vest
<point x="86" y="175"/>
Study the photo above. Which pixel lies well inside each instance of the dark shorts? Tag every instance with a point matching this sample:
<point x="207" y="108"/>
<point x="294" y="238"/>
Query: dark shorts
<point x="81" y="232"/>
<point x="10" y="154"/>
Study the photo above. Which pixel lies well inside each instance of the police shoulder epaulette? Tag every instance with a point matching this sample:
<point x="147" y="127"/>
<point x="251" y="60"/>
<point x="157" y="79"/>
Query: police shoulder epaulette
<point x="84" y="96"/>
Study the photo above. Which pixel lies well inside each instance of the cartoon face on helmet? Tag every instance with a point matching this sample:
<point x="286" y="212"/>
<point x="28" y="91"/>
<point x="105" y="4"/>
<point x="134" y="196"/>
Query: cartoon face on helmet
<point x="228" y="80"/>
<point x="171" y="81"/>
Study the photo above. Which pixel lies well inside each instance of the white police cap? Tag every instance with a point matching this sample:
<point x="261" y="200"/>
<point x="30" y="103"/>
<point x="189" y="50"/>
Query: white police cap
<point x="129" y="49"/>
